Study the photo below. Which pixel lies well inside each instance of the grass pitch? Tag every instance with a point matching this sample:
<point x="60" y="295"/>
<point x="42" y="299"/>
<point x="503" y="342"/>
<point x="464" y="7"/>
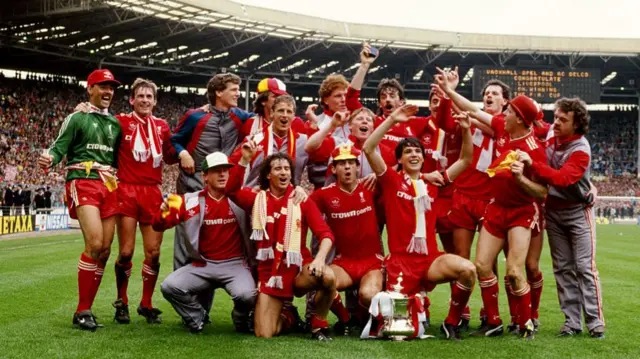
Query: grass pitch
<point x="38" y="294"/>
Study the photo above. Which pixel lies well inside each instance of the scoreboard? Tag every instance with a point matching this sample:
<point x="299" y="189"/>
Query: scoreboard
<point x="543" y="85"/>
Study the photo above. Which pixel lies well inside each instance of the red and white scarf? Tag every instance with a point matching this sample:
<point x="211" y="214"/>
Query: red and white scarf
<point x="290" y="244"/>
<point x="268" y="147"/>
<point x="421" y="204"/>
<point x="257" y="125"/>
<point x="146" y="144"/>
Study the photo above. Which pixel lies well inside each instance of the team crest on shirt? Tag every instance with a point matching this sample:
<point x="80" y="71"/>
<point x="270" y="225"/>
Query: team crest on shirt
<point x="132" y="126"/>
<point x="501" y="141"/>
<point x="335" y="202"/>
<point x="362" y="197"/>
<point x="427" y="139"/>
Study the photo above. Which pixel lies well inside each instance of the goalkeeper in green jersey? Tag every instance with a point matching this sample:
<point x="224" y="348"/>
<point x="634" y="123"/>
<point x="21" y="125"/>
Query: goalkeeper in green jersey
<point x="90" y="142"/>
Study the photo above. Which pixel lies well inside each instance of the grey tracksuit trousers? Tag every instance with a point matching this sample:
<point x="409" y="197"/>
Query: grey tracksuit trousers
<point x="185" y="288"/>
<point x="572" y="239"/>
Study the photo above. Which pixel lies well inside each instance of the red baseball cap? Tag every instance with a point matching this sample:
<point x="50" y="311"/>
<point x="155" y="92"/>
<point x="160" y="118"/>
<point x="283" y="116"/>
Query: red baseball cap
<point x="274" y="85"/>
<point x="525" y="108"/>
<point x="100" y="76"/>
<point x="345" y="152"/>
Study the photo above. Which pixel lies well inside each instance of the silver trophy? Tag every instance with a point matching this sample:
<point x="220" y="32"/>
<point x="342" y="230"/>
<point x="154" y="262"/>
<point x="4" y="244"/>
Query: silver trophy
<point x="398" y="326"/>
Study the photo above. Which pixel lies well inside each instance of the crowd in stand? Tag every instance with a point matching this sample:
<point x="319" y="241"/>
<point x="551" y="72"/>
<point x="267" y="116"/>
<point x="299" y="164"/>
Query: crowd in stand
<point x="613" y="137"/>
<point x="32" y="110"/>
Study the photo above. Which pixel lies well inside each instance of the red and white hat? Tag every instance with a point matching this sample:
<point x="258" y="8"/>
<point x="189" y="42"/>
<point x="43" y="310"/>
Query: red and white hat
<point x="345" y="152"/>
<point x="274" y="85"/>
<point x="101" y="76"/>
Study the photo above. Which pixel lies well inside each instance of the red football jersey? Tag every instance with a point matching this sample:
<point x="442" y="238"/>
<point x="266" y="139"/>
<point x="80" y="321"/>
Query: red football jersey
<point x="130" y="170"/>
<point x="352" y="219"/>
<point x="276" y="212"/>
<point x="398" y="192"/>
<point x="414" y="128"/>
<point x="504" y="188"/>
<point x="219" y="234"/>
<point x="474" y="181"/>
<point x="452" y="143"/>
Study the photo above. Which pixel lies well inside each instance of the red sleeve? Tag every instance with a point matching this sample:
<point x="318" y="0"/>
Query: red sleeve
<point x="323" y="153"/>
<point x="174" y="218"/>
<point x="236" y="155"/>
<point x="388" y="179"/>
<point x="353" y="99"/>
<point x="419" y="126"/>
<point x="378" y="121"/>
<point x="298" y="125"/>
<point x="244" y="198"/>
<point x="308" y="130"/>
<point x="165" y="135"/>
<point x="444" y="119"/>
<point x="318" y="198"/>
<point x="388" y="156"/>
<point x="236" y="177"/>
<point x="497" y="125"/>
<point x="313" y="219"/>
<point x="246" y="129"/>
<point x="570" y="173"/>
<point x="169" y="155"/>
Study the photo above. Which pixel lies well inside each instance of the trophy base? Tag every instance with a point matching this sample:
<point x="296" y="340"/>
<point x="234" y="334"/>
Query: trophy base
<point x="397" y="338"/>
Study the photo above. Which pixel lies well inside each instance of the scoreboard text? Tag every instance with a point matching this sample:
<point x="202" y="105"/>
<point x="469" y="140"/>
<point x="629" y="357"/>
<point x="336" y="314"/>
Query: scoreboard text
<point x="543" y="85"/>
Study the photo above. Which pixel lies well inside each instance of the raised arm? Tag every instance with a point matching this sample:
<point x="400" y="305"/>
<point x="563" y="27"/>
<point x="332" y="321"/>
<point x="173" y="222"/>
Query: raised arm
<point x="366" y="59"/>
<point x="443" y="81"/>
<point x="401" y="114"/>
<point x="466" y="151"/>
<point x="246" y="151"/>
<point x="315" y="141"/>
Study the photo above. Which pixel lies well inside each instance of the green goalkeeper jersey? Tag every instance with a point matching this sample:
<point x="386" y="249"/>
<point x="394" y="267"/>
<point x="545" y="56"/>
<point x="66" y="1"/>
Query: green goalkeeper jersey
<point x="87" y="137"/>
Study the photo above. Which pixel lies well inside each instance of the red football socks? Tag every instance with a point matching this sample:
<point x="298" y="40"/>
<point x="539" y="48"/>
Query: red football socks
<point x="318" y="323"/>
<point x="489" y="290"/>
<point x="459" y="297"/>
<point x="523" y="297"/>
<point x="339" y="309"/>
<point x="513" y="301"/>
<point x="149" y="279"/>
<point x="86" y="274"/>
<point x="536" y="284"/>
<point x="97" y="279"/>
<point x="123" y="272"/>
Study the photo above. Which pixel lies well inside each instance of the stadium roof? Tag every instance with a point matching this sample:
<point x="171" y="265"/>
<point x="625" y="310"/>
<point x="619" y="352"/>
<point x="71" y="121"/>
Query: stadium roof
<point x="183" y="42"/>
<point x="549" y="18"/>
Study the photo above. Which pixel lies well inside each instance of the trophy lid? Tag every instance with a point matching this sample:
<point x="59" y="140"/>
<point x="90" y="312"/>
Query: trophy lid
<point x="397" y="288"/>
